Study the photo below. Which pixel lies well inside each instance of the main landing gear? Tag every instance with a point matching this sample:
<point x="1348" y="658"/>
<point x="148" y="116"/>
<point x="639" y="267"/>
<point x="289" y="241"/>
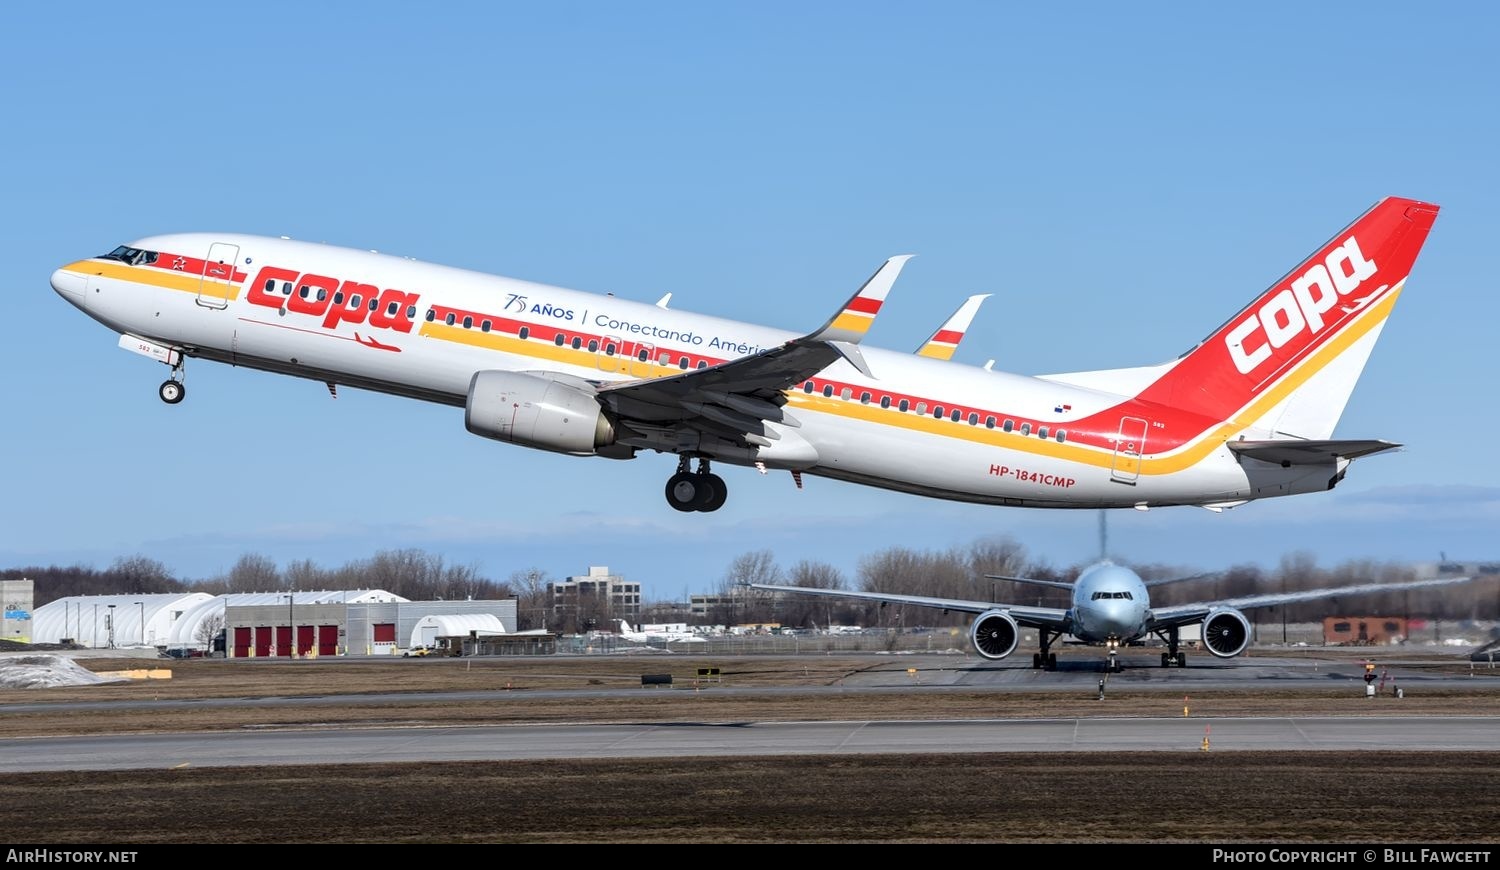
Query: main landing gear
<point x="699" y="490"/>
<point x="1172" y="656"/>
<point x="1045" y="660"/>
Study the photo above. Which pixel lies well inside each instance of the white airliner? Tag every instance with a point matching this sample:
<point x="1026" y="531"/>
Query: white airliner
<point x="1247" y="413"/>
<point x="1111" y="606"/>
<point x="649" y="635"/>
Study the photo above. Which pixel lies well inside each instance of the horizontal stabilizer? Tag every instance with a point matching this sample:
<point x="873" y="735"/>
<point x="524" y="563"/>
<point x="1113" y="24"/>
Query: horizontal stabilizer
<point x="1291" y="452"/>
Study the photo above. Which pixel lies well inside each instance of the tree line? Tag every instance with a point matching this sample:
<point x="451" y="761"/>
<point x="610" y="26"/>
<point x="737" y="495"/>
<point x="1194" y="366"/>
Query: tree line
<point x="957" y="572"/>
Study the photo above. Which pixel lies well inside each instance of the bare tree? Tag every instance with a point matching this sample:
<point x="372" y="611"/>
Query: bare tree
<point x="801" y="611"/>
<point x="254" y="573"/>
<point x="758" y="566"/>
<point x="529" y="585"/>
<point x="208" y="629"/>
<point x="139" y="574"/>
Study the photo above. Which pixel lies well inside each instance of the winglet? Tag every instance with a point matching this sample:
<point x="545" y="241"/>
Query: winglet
<point x="944" y="342"/>
<point x="853" y="321"/>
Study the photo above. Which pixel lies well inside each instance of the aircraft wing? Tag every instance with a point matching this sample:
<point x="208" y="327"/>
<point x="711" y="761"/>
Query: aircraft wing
<point x="1289" y="452"/>
<point x="1163" y="581"/>
<point x="1055" y="584"/>
<point x="732" y="401"/>
<point x="1032" y="617"/>
<point x="1185" y="614"/>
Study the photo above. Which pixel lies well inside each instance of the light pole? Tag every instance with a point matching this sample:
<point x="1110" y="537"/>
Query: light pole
<point x="94" y="633"/>
<point x="1283" y="609"/>
<point x="291" y="630"/>
<point x="110" y="618"/>
<point x="143" y="622"/>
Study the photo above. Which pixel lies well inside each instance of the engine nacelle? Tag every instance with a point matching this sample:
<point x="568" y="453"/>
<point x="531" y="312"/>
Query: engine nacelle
<point x="994" y="634"/>
<point x="541" y="412"/>
<point x="1226" y="632"/>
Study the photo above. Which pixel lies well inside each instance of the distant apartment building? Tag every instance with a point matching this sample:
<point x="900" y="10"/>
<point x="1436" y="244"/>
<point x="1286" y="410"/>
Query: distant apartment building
<point x="1457" y="568"/>
<point x="719" y="605"/>
<point x="596" y="595"/>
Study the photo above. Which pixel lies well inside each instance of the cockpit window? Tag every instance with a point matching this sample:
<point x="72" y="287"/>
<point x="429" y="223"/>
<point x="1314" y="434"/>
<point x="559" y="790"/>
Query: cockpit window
<point x="131" y="256"/>
<point x="1103" y="595"/>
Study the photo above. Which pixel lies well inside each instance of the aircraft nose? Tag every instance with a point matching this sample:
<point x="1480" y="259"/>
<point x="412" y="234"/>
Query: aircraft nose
<point x="69" y="285"/>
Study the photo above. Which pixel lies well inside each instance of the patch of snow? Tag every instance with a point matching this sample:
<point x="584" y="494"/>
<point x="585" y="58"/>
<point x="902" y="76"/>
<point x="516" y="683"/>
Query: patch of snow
<point x="43" y="672"/>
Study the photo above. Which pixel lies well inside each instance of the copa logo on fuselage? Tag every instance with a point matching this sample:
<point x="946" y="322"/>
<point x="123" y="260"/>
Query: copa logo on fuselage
<point x="333" y="300"/>
<point x="1298" y="307"/>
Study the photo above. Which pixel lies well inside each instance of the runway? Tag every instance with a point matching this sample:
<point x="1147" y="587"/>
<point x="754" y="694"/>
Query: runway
<point x="510" y="742"/>
<point x="384" y="741"/>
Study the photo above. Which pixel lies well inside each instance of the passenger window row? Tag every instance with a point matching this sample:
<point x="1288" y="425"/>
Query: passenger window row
<point x="609" y="348"/>
<point x="938" y="411"/>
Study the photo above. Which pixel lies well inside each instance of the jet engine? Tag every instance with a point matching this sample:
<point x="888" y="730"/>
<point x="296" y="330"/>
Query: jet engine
<point x="1226" y="632"/>
<point x="994" y="634"/>
<point x="542" y="411"/>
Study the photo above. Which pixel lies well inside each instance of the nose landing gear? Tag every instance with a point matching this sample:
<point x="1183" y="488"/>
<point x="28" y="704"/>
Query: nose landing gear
<point x="172" y="390"/>
<point x="700" y="490"/>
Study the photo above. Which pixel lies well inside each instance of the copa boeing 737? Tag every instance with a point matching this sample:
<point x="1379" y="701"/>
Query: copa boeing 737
<point x="1110" y="605"/>
<point x="1247" y="413"/>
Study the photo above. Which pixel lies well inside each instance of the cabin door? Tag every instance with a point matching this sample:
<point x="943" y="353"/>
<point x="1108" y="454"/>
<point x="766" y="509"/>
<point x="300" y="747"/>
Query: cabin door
<point x="215" y="283"/>
<point x="1129" y="446"/>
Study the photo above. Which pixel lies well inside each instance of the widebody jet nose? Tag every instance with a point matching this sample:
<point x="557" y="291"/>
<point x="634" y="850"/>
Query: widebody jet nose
<point x="69" y="285"/>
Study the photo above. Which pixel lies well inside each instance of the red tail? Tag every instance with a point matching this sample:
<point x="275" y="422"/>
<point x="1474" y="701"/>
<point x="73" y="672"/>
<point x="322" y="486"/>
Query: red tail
<point x="1306" y="320"/>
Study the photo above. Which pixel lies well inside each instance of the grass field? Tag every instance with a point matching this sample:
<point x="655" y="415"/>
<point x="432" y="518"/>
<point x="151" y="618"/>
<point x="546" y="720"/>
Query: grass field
<point x="1191" y="797"/>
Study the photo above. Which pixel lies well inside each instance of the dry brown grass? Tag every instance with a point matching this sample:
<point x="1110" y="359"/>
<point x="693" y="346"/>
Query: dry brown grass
<point x="1198" y="797"/>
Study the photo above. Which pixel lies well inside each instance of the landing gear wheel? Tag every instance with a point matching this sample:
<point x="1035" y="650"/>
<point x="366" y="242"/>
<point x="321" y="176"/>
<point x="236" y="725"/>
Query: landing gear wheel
<point x="1166" y="660"/>
<point x="1051" y="661"/>
<point x="1036" y="660"/>
<point x="1182" y="660"/>
<point x="715" y="492"/>
<point x="171" y="392"/>
<point x="684" y="491"/>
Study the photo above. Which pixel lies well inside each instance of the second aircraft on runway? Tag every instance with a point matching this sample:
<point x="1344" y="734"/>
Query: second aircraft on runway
<point x="1110" y="607"/>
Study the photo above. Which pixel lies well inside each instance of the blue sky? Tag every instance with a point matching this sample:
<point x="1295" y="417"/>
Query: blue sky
<point x="1123" y="177"/>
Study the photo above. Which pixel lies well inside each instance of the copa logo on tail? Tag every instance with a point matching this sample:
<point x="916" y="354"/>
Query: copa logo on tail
<point x="1298" y="307"/>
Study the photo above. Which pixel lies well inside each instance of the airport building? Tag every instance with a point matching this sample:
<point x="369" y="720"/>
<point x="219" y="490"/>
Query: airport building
<point x="262" y="624"/>
<point x="119" y="621"/>
<point x="289" y="629"/>
<point x="16" y="597"/>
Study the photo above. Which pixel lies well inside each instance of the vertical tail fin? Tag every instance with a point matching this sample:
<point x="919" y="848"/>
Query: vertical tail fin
<point x="1289" y="360"/>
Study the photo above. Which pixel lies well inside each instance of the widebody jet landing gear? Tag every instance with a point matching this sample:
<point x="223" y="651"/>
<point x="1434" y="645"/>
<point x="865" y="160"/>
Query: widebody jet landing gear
<point x="1045" y="660"/>
<point x="1172" y="656"/>
<point x="699" y="490"/>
